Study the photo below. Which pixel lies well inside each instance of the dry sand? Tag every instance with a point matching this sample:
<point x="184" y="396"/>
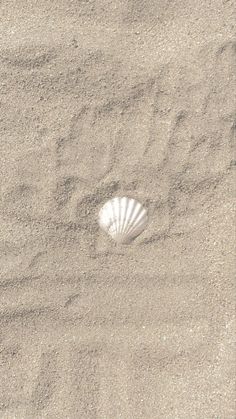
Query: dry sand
<point x="105" y="98"/>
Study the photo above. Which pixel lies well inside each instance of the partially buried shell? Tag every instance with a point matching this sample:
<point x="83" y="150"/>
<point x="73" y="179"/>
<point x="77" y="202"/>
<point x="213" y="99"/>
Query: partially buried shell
<point x="123" y="219"/>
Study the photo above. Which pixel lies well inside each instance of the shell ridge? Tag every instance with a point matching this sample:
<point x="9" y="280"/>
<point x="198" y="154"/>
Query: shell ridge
<point x="126" y="203"/>
<point x="123" y="218"/>
<point x="126" y="217"/>
<point x="132" y="213"/>
<point x="133" y="218"/>
<point x="115" y="209"/>
<point x="139" y="216"/>
<point x="136" y="210"/>
<point x="123" y="209"/>
<point x="139" y="226"/>
<point x="112" y="229"/>
<point x="120" y="216"/>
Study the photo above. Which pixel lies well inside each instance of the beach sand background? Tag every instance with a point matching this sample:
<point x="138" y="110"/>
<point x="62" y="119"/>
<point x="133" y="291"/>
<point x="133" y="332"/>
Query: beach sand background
<point x="98" y="99"/>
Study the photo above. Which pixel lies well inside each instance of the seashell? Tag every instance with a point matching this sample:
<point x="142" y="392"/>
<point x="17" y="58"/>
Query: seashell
<point x="123" y="219"/>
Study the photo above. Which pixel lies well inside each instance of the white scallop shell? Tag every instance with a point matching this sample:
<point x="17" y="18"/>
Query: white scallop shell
<point x="123" y="219"/>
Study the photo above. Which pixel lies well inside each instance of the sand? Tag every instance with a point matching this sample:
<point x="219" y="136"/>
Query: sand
<point x="104" y="98"/>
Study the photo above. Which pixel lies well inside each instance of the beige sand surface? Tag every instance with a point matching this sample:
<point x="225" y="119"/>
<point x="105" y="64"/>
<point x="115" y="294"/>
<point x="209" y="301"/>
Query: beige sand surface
<point x="102" y="98"/>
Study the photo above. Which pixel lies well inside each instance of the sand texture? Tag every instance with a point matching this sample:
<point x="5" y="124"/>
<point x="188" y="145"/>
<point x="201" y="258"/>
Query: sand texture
<point x="98" y="99"/>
